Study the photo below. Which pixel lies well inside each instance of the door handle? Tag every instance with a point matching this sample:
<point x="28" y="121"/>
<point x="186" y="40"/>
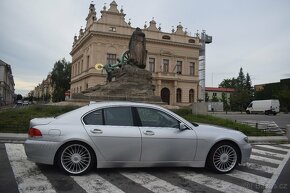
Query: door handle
<point x="96" y="131"/>
<point x="148" y="132"/>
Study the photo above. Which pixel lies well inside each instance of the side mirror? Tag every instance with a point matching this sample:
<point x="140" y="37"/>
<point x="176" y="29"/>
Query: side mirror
<point x="182" y="127"/>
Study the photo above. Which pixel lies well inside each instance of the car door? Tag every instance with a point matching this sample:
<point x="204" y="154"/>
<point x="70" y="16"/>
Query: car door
<point x="114" y="134"/>
<point x="162" y="140"/>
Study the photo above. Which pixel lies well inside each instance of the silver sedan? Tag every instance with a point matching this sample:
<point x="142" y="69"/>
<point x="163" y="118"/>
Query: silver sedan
<point x="126" y="134"/>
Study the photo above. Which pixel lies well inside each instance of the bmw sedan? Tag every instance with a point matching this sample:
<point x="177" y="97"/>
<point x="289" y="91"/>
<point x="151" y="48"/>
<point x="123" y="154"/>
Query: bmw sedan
<point x="127" y="134"/>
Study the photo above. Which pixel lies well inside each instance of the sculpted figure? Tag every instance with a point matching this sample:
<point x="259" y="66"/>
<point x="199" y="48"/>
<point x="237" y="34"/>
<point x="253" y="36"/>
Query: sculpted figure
<point x="137" y="49"/>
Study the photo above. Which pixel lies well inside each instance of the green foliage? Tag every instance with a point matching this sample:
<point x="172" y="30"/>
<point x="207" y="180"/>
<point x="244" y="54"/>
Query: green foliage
<point x="212" y="120"/>
<point x="17" y="119"/>
<point x="19" y="97"/>
<point x="60" y="76"/>
<point x="243" y="93"/>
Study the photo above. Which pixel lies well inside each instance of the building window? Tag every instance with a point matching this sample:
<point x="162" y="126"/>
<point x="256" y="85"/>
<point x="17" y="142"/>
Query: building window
<point x="111" y="58"/>
<point x="82" y="63"/>
<point x="88" y="62"/>
<point x="191" y="96"/>
<point x="179" y="67"/>
<point x="178" y="95"/>
<point x="165" y="65"/>
<point x="214" y="94"/>
<point x="191" y="68"/>
<point x="79" y="67"/>
<point x="152" y="64"/>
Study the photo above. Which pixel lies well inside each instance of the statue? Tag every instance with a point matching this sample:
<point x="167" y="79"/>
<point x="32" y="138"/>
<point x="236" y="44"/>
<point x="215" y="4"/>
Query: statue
<point x="136" y="56"/>
<point x="137" y="48"/>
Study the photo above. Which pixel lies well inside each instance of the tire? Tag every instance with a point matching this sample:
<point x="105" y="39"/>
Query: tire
<point x="76" y="158"/>
<point x="266" y="112"/>
<point x="248" y="112"/>
<point x="223" y="157"/>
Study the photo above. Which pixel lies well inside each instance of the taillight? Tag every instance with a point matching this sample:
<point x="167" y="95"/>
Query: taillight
<point x="33" y="132"/>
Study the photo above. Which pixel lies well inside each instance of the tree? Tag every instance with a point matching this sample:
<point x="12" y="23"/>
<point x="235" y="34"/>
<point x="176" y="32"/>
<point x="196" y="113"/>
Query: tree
<point x="228" y="83"/>
<point x="19" y="97"/>
<point x="241" y="80"/>
<point x="243" y="93"/>
<point x="60" y="77"/>
<point x="225" y="101"/>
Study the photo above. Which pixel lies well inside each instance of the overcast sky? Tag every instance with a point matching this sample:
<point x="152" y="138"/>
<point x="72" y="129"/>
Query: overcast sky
<point x="252" y="34"/>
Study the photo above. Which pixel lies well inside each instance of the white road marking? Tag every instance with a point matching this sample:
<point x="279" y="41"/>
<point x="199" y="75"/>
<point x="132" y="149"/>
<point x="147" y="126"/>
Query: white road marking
<point x="214" y="183"/>
<point x="153" y="183"/>
<point x="28" y="177"/>
<point x="272" y="147"/>
<point x="268" y="153"/>
<point x="249" y="177"/>
<point x="286" y="145"/>
<point x="95" y="183"/>
<point x="259" y="167"/>
<point x="255" y="157"/>
<point x="273" y="180"/>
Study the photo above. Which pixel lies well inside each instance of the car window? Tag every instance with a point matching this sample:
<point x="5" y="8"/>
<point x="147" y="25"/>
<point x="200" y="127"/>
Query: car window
<point x="94" y="118"/>
<point x="155" y="118"/>
<point x="121" y="116"/>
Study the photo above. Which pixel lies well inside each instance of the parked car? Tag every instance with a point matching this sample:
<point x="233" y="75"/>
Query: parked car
<point x="25" y="103"/>
<point x="264" y="106"/>
<point x="126" y="134"/>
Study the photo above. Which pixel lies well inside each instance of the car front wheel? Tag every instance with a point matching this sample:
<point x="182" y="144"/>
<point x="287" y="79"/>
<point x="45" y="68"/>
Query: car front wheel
<point x="76" y="158"/>
<point x="223" y="157"/>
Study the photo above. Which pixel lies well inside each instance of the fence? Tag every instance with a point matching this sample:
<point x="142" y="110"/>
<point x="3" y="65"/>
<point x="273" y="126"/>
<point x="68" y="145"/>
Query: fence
<point x="267" y="126"/>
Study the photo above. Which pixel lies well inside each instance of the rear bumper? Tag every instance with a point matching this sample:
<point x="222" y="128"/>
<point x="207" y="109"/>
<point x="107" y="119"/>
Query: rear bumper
<point x="41" y="151"/>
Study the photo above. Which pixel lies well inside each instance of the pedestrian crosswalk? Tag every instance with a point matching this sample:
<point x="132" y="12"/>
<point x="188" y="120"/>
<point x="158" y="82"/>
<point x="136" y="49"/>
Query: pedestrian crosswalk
<point x="258" y="175"/>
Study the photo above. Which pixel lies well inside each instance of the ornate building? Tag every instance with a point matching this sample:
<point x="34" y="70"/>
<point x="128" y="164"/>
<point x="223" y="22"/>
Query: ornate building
<point x="6" y="84"/>
<point x="173" y="58"/>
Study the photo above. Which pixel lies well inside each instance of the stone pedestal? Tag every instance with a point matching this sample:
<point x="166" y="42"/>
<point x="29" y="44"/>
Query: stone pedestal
<point x="131" y="83"/>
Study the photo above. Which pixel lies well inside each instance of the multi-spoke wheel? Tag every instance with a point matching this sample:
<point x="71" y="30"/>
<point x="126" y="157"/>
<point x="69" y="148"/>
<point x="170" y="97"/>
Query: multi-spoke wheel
<point x="76" y="158"/>
<point x="223" y="157"/>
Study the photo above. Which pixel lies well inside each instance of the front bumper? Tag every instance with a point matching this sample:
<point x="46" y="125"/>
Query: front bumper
<point x="41" y="151"/>
<point x="246" y="151"/>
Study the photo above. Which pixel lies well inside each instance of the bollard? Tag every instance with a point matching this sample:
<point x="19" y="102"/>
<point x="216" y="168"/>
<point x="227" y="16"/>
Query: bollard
<point x="288" y="132"/>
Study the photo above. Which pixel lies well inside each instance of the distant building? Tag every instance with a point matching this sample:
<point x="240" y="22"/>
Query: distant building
<point x="213" y="92"/>
<point x="173" y="58"/>
<point x="43" y="91"/>
<point x="6" y="84"/>
<point x="277" y="85"/>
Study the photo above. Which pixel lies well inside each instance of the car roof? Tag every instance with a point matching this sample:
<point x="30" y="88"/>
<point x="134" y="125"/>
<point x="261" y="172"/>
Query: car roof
<point x="94" y="104"/>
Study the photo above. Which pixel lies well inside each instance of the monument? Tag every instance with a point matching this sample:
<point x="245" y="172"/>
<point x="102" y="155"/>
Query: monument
<point x="127" y="79"/>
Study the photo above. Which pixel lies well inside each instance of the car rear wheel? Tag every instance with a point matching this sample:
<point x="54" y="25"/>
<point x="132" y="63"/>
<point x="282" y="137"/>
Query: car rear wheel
<point x="223" y="157"/>
<point x="76" y="158"/>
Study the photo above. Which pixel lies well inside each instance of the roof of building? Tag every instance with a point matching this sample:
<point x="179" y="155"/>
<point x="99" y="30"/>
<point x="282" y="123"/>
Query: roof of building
<point x="219" y="89"/>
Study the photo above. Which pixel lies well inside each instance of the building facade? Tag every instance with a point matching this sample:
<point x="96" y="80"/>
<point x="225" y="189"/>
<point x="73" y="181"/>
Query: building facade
<point x="7" y="84"/>
<point x="217" y="93"/>
<point x="43" y="91"/>
<point x="173" y="58"/>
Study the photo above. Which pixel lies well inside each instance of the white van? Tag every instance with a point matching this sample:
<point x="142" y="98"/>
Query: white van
<point x="264" y="106"/>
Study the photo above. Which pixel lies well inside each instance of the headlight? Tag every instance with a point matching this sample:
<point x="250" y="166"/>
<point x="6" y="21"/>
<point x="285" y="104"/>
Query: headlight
<point x="246" y="139"/>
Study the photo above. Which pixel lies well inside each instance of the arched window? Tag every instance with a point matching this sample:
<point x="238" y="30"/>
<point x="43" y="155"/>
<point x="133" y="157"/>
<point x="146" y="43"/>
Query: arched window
<point x="191" y="96"/>
<point x="178" y="95"/>
<point x="166" y="37"/>
<point x="192" y="41"/>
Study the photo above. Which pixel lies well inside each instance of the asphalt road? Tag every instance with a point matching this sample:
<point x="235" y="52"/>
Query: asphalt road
<point x="260" y="174"/>
<point x="280" y="119"/>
